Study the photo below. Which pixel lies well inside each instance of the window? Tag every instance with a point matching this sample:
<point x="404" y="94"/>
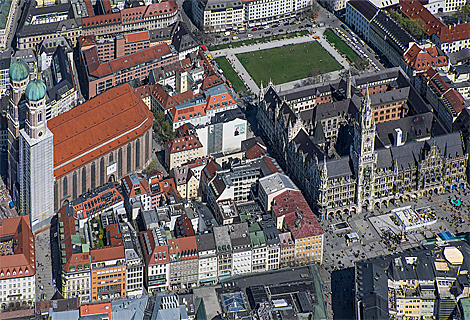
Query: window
<point x="111" y="157"/>
<point x="93" y="175"/>
<point x="39" y="117"/>
<point x="120" y="163"/>
<point x="129" y="159"/>
<point x="102" y="171"/>
<point x="64" y="187"/>
<point x="74" y="185"/>
<point x="84" y="180"/>
<point x="146" y="146"/>
<point x="137" y="153"/>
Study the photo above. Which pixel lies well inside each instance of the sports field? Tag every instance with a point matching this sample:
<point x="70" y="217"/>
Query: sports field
<point x="288" y="63"/>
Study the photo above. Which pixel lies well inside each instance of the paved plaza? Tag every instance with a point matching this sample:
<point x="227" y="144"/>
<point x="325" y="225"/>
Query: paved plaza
<point x="372" y="242"/>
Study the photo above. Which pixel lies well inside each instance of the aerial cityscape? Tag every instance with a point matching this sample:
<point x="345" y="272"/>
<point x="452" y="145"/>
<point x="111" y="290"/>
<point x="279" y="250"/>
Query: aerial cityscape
<point x="235" y="159"/>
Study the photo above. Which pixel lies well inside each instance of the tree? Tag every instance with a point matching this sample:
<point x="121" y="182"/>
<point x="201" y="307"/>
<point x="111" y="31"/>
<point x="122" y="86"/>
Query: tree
<point x="414" y="27"/>
<point x="462" y="13"/>
<point x="162" y="127"/>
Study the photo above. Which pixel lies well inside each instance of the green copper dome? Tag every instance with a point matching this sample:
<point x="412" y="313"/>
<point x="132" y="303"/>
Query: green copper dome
<point x="19" y="70"/>
<point x="35" y="90"/>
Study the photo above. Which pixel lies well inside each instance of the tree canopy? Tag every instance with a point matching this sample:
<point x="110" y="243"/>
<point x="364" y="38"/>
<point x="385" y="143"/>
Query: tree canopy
<point x="414" y="27"/>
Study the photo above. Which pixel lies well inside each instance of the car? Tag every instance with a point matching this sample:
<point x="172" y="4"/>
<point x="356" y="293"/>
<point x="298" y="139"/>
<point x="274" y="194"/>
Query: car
<point x="300" y="27"/>
<point x="55" y="235"/>
<point x="281" y="30"/>
<point x="254" y="29"/>
<point x="315" y="18"/>
<point x="316" y="37"/>
<point x="225" y="39"/>
<point x="267" y="32"/>
<point x="218" y="36"/>
<point x="232" y="33"/>
<point x="235" y="38"/>
<point x="266" y="27"/>
<point x="275" y="26"/>
<point x="250" y="35"/>
<point x="204" y="48"/>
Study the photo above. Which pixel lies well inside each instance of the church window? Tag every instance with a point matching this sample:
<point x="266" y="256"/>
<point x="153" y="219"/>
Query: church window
<point x="102" y="171"/>
<point x="40" y="117"/>
<point x="137" y="153"/>
<point x="74" y="185"/>
<point x="129" y="158"/>
<point x="64" y="188"/>
<point x="146" y="146"/>
<point x="120" y="162"/>
<point x="93" y="175"/>
<point x="111" y="157"/>
<point x="84" y="180"/>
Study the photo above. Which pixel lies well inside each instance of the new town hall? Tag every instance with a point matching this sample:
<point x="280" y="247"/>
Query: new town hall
<point x="361" y="143"/>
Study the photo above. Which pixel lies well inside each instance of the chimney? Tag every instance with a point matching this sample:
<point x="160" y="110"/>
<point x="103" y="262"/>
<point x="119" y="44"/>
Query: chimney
<point x="398" y="137"/>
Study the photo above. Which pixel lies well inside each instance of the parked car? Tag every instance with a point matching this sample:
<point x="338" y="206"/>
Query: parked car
<point x="267" y="32"/>
<point x="250" y="35"/>
<point x="281" y="30"/>
<point x="254" y="29"/>
<point x="225" y="39"/>
<point x="235" y="38"/>
<point x="300" y="27"/>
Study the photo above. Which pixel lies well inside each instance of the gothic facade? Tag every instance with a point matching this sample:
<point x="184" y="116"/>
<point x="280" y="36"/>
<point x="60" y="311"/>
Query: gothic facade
<point x="371" y="175"/>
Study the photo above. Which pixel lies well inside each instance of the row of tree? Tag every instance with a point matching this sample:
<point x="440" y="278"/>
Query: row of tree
<point x="414" y="27"/>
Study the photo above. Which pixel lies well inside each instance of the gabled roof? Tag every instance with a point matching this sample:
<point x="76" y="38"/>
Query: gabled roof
<point x="210" y="81"/>
<point x="18" y="260"/>
<point x="140" y="13"/>
<point x="182" y="38"/>
<point x="127" y="61"/>
<point x="184" y="143"/>
<point x="454" y="32"/>
<point x="167" y="101"/>
<point x="365" y="8"/>
<point x="97" y="126"/>
<point x="305" y="147"/>
<point x="415" y="10"/>
<point x="422" y="59"/>
<point x="455" y="99"/>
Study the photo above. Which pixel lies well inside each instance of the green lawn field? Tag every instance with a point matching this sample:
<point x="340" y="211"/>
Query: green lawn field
<point x="288" y="63"/>
<point x="230" y="74"/>
<point x="341" y="46"/>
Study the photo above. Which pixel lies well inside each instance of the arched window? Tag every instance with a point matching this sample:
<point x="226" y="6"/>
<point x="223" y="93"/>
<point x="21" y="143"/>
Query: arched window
<point x="137" y="153"/>
<point x="129" y="158"/>
<point x="84" y="180"/>
<point x="102" y="174"/>
<point x="111" y="157"/>
<point x="65" y="190"/>
<point x="120" y="163"/>
<point x="93" y="175"/>
<point x="74" y="185"/>
<point x="146" y="146"/>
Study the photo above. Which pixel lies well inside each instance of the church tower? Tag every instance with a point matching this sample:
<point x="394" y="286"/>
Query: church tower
<point x="36" y="163"/>
<point x="363" y="154"/>
<point x="19" y="79"/>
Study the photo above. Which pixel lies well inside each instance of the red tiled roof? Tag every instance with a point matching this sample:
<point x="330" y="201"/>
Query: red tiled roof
<point x="210" y="170"/>
<point x="68" y="226"/>
<point x="129" y="60"/>
<point x="133" y="15"/>
<point x="439" y="84"/>
<point x="143" y="91"/>
<point x="194" y="163"/>
<point x="415" y="10"/>
<point x="86" y="41"/>
<point x="96" y="308"/>
<point x="455" y="99"/>
<point x="107" y="253"/>
<point x="167" y="188"/>
<point x="22" y="258"/>
<point x="255" y="152"/>
<point x="428" y="74"/>
<point x="186" y="64"/>
<point x="168" y="101"/>
<point x="454" y="32"/>
<point x="210" y="81"/>
<point x="187" y="247"/>
<point x="136" y="36"/>
<point x="272" y="164"/>
<point x="193" y="110"/>
<point x="184" y="130"/>
<point x="183" y="144"/>
<point x="155" y="250"/>
<point x="101" y="20"/>
<point x="143" y="185"/>
<point x="298" y="216"/>
<point x="422" y="59"/>
<point x="98" y="126"/>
